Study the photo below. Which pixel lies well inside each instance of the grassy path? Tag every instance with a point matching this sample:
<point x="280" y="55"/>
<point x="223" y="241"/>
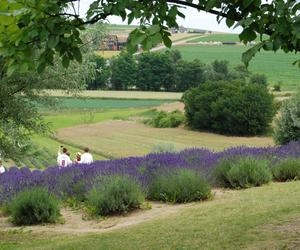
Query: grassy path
<point x="258" y="218"/>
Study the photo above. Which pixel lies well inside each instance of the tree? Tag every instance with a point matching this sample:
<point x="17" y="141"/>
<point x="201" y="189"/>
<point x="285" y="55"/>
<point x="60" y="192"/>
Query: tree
<point x="235" y="108"/>
<point x="21" y="93"/>
<point x="102" y="74"/>
<point x="288" y="123"/>
<point x="189" y="74"/>
<point x="259" y="79"/>
<point x="123" y="68"/>
<point x="53" y="26"/>
<point x="155" y="72"/>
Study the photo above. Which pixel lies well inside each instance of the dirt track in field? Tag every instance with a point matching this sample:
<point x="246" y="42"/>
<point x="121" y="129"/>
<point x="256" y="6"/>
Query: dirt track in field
<point x="74" y="222"/>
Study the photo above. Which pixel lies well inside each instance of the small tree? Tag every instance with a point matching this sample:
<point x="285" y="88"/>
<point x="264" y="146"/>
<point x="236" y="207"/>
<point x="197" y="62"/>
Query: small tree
<point x="155" y="71"/>
<point x="123" y="69"/>
<point x="221" y="67"/>
<point x="288" y="124"/>
<point x="189" y="74"/>
<point x="102" y="74"/>
<point x="236" y="108"/>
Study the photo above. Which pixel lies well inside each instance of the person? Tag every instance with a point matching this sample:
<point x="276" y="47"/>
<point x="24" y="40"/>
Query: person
<point x="86" y="157"/>
<point x="63" y="160"/>
<point x="2" y="168"/>
<point x="78" y="157"/>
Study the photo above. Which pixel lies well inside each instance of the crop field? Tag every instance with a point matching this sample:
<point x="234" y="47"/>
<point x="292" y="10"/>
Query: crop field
<point x="276" y="66"/>
<point x="126" y="138"/>
<point x="220" y="38"/>
<point x="107" y="53"/>
<point x="98" y="103"/>
<point x="271" y="221"/>
<point x="114" y="94"/>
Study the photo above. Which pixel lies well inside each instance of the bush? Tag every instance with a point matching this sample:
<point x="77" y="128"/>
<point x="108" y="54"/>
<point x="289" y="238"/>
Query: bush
<point x="287" y="170"/>
<point x="277" y="87"/>
<point x="287" y="126"/>
<point x="235" y="108"/>
<point x="34" y="206"/>
<point x="242" y="173"/>
<point x="115" y="195"/>
<point x="260" y="79"/>
<point x="167" y="119"/>
<point x="179" y="186"/>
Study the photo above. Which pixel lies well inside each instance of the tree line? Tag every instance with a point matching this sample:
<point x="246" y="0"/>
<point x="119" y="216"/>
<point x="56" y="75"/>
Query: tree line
<point x="165" y="71"/>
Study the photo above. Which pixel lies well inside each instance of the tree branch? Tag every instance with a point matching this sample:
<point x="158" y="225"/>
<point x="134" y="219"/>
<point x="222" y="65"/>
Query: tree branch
<point x="199" y="7"/>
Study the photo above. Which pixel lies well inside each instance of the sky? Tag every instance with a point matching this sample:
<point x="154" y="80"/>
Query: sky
<point x="193" y="19"/>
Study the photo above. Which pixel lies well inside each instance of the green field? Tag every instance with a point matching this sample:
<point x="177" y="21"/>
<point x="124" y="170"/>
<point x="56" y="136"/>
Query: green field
<point x="257" y="218"/>
<point x="97" y="103"/>
<point x="220" y="38"/>
<point x="276" y="66"/>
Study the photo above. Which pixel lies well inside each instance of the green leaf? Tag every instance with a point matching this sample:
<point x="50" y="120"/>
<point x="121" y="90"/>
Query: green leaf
<point x="247" y="3"/>
<point x="65" y="61"/>
<point x="167" y="41"/>
<point x="77" y="55"/>
<point x="250" y="53"/>
<point x="248" y="35"/>
<point x="210" y="4"/>
<point x="229" y="22"/>
<point x="153" y="29"/>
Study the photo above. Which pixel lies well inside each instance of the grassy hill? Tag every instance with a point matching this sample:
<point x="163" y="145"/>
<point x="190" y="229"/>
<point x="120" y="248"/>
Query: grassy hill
<point x="276" y="66"/>
<point x="257" y="218"/>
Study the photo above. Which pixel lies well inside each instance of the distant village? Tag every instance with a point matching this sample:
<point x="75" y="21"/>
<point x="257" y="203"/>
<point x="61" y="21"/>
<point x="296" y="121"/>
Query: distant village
<point x="117" y="41"/>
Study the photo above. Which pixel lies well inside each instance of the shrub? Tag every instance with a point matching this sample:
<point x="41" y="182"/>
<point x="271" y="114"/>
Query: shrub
<point x="179" y="186"/>
<point x="242" y="173"/>
<point x="287" y="170"/>
<point x="34" y="206"/>
<point x="260" y="79"/>
<point x="287" y="126"/>
<point x="115" y="195"/>
<point x="235" y="108"/>
<point x="277" y="87"/>
<point x="167" y="120"/>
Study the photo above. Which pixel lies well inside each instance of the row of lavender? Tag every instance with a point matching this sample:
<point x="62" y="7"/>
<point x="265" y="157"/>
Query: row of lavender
<point x="65" y="181"/>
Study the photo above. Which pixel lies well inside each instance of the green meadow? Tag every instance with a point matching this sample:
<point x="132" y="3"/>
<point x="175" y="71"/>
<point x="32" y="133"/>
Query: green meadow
<point x="278" y="67"/>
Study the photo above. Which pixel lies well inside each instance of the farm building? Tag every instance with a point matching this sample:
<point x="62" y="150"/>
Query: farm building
<point x="114" y="42"/>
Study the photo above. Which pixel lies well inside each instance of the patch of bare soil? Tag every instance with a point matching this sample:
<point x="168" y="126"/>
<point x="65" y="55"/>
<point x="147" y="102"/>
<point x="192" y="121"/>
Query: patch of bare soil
<point x="74" y="222"/>
<point x="169" y="107"/>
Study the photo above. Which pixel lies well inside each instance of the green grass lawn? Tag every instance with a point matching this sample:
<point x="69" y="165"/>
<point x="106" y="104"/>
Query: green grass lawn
<point x="258" y="218"/>
<point x="276" y="66"/>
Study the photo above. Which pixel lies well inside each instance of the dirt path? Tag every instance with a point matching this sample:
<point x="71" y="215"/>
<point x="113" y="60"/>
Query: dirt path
<point x="74" y="222"/>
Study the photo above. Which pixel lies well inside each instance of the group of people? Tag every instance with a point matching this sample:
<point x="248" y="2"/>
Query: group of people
<point x="2" y="168"/>
<point x="64" y="160"/>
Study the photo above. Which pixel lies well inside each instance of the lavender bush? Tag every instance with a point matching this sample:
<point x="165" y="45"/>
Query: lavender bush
<point x="142" y="169"/>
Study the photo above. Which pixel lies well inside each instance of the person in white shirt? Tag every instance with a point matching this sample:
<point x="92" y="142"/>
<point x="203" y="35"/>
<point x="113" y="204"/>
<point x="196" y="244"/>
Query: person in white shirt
<point x="86" y="157"/>
<point x="2" y="168"/>
<point x="63" y="160"/>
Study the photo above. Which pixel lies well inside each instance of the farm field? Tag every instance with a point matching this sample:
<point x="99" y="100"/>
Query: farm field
<point x="277" y="67"/>
<point x="271" y="221"/>
<point x="114" y="94"/>
<point x="107" y="53"/>
<point x="219" y="38"/>
<point x="98" y="103"/>
<point x="127" y="138"/>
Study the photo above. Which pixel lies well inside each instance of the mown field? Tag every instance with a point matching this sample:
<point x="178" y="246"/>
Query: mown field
<point x="276" y="66"/>
<point x="127" y="138"/>
<point x="257" y="218"/>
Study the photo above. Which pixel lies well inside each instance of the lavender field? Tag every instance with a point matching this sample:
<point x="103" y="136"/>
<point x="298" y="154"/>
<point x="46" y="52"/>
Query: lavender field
<point x="66" y="182"/>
